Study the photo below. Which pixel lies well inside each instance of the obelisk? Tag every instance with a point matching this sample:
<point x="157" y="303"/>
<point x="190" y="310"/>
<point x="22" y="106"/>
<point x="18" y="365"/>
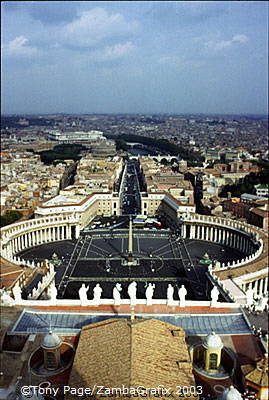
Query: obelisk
<point x="130" y="241"/>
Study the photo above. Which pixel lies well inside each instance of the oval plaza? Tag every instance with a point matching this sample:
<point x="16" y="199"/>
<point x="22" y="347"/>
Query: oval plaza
<point x="130" y="264"/>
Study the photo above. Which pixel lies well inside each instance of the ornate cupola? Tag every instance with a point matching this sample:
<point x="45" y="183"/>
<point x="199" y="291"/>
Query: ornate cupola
<point x="213" y="346"/>
<point x="51" y="347"/>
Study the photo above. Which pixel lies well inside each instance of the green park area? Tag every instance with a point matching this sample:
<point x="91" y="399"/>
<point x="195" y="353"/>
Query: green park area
<point x="9" y="217"/>
<point x="62" y="152"/>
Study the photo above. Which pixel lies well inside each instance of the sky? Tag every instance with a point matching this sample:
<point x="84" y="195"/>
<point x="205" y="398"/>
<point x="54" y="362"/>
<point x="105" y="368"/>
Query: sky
<point x="134" y="57"/>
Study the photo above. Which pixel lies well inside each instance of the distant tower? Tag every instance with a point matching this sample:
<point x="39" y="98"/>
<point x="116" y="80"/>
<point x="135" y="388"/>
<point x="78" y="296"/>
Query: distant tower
<point x="51" y="347"/>
<point x="213" y="346"/>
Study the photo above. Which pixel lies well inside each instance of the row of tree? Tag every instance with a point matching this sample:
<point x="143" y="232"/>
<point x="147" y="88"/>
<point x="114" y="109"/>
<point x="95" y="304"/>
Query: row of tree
<point x="162" y="144"/>
<point x="9" y="217"/>
<point x="62" y="152"/>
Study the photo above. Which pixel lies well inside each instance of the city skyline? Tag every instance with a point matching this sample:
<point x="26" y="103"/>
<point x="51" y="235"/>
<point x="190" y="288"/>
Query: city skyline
<point x="134" y="57"/>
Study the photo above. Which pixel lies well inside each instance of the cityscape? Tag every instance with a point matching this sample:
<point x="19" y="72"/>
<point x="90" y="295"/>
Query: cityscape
<point x="134" y="200"/>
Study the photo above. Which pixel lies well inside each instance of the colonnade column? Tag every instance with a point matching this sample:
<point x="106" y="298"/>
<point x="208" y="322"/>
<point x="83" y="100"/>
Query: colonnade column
<point x="22" y="242"/>
<point x="245" y="245"/>
<point x="211" y="234"/>
<point x="41" y="236"/>
<point x="29" y="239"/>
<point x="248" y="246"/>
<point x="244" y="287"/>
<point x="215" y="234"/>
<point x="19" y="243"/>
<point x="77" y="231"/>
<point x="32" y="238"/>
<point x="260" y="289"/>
<point x="240" y="243"/>
<point x="15" y="245"/>
<point x="227" y="238"/>
<point x="264" y="286"/>
<point x="256" y="287"/>
<point x="26" y="240"/>
<point x="183" y="231"/>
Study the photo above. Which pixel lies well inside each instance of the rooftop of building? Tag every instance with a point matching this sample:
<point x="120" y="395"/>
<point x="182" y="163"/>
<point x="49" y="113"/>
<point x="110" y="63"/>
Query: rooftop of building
<point x="132" y="352"/>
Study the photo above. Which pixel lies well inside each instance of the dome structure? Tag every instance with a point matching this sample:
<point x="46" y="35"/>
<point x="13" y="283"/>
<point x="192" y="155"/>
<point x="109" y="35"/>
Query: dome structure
<point x="51" y="341"/>
<point x="33" y="396"/>
<point x="213" y="341"/>
<point x="231" y="393"/>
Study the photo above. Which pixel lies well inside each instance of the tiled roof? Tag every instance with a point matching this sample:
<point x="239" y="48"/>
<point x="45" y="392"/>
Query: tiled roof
<point x="135" y="353"/>
<point x="10" y="273"/>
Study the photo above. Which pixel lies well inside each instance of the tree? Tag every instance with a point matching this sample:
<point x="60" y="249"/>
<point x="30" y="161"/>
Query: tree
<point x="9" y="217"/>
<point x="121" y="145"/>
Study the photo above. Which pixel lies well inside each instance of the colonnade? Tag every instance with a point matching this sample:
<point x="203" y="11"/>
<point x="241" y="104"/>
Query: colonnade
<point x="23" y="235"/>
<point x="37" y="237"/>
<point x="233" y="234"/>
<point x="259" y="286"/>
<point x="216" y="234"/>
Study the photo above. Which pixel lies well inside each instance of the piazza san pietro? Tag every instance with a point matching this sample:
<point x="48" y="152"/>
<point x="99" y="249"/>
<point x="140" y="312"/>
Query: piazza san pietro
<point x="134" y="244"/>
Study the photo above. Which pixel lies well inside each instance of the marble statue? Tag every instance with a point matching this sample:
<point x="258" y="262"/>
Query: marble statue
<point x="170" y="294"/>
<point x="132" y="292"/>
<point x="261" y="304"/>
<point x="17" y="293"/>
<point x="149" y="293"/>
<point x="97" y="292"/>
<point x="116" y="294"/>
<point x="5" y="299"/>
<point x="51" y="269"/>
<point x="214" y="294"/>
<point x="182" y="292"/>
<point x="83" y="294"/>
<point x="53" y="292"/>
<point x="217" y="266"/>
<point x="250" y="296"/>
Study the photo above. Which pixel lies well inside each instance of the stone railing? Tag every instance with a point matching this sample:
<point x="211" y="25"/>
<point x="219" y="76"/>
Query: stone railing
<point x="103" y="301"/>
<point x="245" y="260"/>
